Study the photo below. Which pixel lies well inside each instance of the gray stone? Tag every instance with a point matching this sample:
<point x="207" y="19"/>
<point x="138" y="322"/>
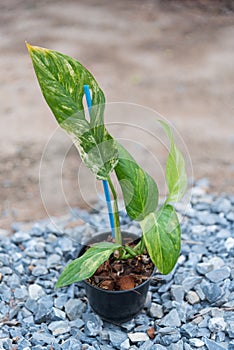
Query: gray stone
<point x="71" y="344"/>
<point x="93" y="325"/>
<point x="216" y="312"/>
<point x="167" y="330"/>
<point x="39" y="270"/>
<point x="117" y="337"/>
<point x="212" y="345"/>
<point x="125" y="345"/>
<point x="19" y="237"/>
<point x="138" y="337"/>
<point x="187" y="347"/>
<point x="220" y="337"/>
<point x="221" y="205"/>
<point x="28" y="319"/>
<point x="35" y="291"/>
<point x="223" y="233"/>
<point x="169" y="339"/>
<point x="197" y="343"/>
<point x="142" y="328"/>
<point x="177" y="293"/>
<point x="212" y="264"/>
<point x="65" y="244"/>
<point x="199" y="292"/>
<point x="189" y="330"/>
<point x="141" y="319"/>
<point x="23" y="344"/>
<point x="57" y="314"/>
<point x="31" y="305"/>
<point x="148" y="299"/>
<point x="230" y="329"/>
<point x="128" y="325"/>
<point x="74" y="308"/>
<point x="20" y="268"/>
<point x="156" y="310"/>
<point x="13" y="281"/>
<point x="43" y="311"/>
<point x="6" y="270"/>
<point x="4" y="259"/>
<point x="77" y="323"/>
<point x="42" y="338"/>
<point x="53" y="260"/>
<point x="219" y="275"/>
<point x="12" y="313"/>
<point x="212" y="292"/>
<point x="147" y="345"/>
<point x="172" y="319"/>
<point x="189" y="282"/>
<point x="177" y="346"/>
<point x="230" y="216"/>
<point x="59" y="327"/>
<point x="192" y="297"/>
<point x="21" y="293"/>
<point x="104" y="335"/>
<point x="165" y="287"/>
<point x="203" y="332"/>
<point x="106" y="347"/>
<point x="60" y="301"/>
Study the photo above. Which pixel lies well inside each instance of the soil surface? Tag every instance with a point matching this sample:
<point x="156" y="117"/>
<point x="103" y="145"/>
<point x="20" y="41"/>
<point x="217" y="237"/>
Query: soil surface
<point x="175" y="57"/>
<point x="123" y="274"/>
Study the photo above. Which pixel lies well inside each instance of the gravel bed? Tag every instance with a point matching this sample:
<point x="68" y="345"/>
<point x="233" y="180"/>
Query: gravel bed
<point x="191" y="308"/>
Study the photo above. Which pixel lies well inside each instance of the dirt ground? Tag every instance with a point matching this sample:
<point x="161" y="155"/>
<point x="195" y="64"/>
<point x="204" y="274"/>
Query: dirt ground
<point x="175" y="57"/>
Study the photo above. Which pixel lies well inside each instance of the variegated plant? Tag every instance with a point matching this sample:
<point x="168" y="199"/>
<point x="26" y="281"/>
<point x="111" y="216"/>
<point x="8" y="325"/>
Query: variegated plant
<point x="61" y="79"/>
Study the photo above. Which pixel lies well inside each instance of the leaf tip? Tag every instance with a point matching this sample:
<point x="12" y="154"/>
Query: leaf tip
<point x="32" y="48"/>
<point x="29" y="47"/>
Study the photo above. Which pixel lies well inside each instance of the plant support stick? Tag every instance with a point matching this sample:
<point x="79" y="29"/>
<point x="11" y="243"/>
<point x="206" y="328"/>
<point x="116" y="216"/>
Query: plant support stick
<point x="104" y="182"/>
<point x="118" y="237"/>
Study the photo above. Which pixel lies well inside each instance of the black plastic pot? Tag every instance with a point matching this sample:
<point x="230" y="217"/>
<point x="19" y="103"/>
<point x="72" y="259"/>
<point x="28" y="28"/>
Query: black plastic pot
<point x="116" y="306"/>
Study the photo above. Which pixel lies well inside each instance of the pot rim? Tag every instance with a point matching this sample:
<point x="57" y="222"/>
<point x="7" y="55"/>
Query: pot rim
<point x="135" y="289"/>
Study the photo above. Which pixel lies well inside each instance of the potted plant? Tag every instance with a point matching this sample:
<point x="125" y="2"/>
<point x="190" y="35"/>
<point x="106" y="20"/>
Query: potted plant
<point x="115" y="292"/>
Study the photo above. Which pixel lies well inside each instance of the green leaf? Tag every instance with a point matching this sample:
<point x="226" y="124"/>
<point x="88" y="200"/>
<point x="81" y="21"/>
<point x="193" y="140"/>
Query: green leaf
<point x="86" y="265"/>
<point x="62" y="81"/>
<point x="100" y="158"/>
<point x="175" y="169"/>
<point x="161" y="232"/>
<point x="140" y="191"/>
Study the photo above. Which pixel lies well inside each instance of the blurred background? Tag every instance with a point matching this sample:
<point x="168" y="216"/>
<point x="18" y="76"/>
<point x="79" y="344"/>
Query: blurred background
<point x="176" y="57"/>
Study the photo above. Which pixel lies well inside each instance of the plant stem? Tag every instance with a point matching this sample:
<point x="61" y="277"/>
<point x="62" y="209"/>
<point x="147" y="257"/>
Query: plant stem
<point x="140" y="247"/>
<point x="118" y="237"/>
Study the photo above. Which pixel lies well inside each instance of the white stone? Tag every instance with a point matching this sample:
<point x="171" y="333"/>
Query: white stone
<point x="198" y="343"/>
<point x="192" y="297"/>
<point x="156" y="310"/>
<point x="229" y="244"/>
<point x="59" y="327"/>
<point x="35" y="291"/>
<point x="138" y="336"/>
<point x="216" y="324"/>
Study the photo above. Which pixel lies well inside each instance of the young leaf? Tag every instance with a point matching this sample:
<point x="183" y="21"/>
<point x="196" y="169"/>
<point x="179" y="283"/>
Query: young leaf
<point x="161" y="232"/>
<point x="139" y="189"/>
<point x="62" y="81"/>
<point x="175" y="169"/>
<point x="86" y="265"/>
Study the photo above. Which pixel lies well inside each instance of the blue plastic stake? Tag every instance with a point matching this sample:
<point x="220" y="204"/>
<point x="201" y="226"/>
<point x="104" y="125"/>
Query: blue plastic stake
<point x="104" y="182"/>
